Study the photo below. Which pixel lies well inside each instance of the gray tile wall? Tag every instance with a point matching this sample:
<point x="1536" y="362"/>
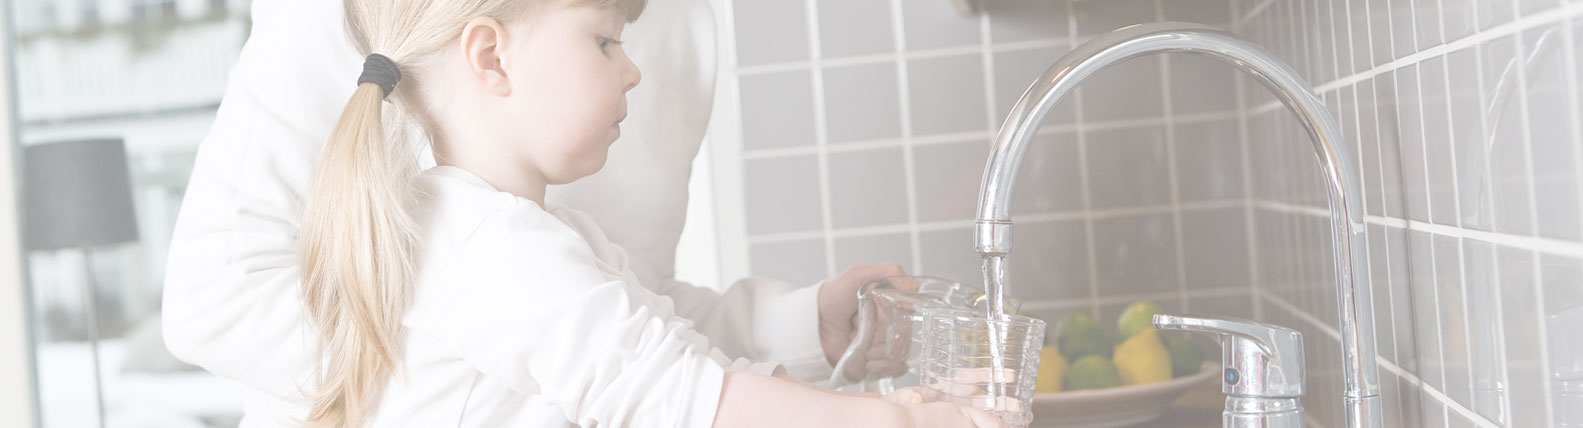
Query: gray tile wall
<point x="866" y="125"/>
<point x="1465" y="113"/>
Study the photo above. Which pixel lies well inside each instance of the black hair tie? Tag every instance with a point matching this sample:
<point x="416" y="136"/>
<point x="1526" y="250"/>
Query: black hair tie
<point x="380" y="70"/>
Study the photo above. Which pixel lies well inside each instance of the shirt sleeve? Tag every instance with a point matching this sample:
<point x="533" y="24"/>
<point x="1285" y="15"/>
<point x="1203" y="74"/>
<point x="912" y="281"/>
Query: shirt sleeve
<point x="760" y="319"/>
<point x="525" y="302"/>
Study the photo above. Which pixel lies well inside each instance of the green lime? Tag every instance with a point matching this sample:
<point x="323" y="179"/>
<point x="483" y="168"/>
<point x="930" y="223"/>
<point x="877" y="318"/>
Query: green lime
<point x="1079" y="335"/>
<point x="1092" y="372"/>
<point x="1136" y="318"/>
<point x="1186" y="358"/>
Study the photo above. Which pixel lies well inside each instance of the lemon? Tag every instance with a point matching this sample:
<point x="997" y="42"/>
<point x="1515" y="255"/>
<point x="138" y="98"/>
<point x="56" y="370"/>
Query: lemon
<point x="1052" y="368"/>
<point x="1143" y="359"/>
<point x="1136" y="318"/>
<point x="1079" y="335"/>
<point x="1092" y="372"/>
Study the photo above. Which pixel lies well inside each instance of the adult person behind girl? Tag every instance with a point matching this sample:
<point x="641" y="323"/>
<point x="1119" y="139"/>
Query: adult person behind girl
<point x="339" y="395"/>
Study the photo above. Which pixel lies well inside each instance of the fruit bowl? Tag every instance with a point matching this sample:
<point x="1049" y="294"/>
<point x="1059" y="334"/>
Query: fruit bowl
<point x="1115" y="407"/>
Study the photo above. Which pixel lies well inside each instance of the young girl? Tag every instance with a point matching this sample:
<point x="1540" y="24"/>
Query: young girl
<point x="456" y="297"/>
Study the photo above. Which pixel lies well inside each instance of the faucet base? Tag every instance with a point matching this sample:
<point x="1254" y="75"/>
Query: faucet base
<point x="1364" y="412"/>
<point x="1262" y="412"/>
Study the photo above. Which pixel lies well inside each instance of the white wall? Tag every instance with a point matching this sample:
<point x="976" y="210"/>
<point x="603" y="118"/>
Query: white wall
<point x="16" y="384"/>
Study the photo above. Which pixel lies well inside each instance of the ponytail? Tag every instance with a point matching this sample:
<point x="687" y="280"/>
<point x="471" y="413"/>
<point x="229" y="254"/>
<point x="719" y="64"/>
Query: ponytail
<point x="357" y="245"/>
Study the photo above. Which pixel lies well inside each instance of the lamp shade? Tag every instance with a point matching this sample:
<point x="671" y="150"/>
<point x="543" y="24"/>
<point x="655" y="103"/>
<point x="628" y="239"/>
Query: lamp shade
<point x="77" y="194"/>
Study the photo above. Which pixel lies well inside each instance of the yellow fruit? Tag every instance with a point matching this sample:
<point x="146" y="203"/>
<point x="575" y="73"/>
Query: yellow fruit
<point x="1052" y="368"/>
<point x="1143" y="359"/>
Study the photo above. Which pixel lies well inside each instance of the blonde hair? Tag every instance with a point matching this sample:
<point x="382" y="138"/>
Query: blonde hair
<point x="358" y="240"/>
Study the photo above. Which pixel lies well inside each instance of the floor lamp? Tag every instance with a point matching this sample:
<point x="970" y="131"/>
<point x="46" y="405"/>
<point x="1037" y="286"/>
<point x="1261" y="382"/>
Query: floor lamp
<point x="78" y="195"/>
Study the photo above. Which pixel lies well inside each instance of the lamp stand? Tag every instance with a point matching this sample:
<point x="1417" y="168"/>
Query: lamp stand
<point x="92" y="302"/>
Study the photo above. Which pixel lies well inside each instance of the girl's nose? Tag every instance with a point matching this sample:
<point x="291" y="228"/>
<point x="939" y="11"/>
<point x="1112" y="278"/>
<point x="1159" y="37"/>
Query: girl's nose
<point x="632" y="75"/>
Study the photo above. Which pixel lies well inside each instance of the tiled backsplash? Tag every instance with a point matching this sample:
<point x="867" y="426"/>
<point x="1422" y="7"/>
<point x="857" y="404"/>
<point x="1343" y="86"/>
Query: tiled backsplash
<point x="865" y="128"/>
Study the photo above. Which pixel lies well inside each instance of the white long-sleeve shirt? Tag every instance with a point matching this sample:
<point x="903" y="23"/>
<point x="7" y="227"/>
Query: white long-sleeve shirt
<point x="524" y="316"/>
<point x="521" y="316"/>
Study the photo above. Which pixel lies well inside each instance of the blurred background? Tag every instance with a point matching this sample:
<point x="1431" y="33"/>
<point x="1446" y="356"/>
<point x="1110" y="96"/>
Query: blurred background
<point x="853" y="131"/>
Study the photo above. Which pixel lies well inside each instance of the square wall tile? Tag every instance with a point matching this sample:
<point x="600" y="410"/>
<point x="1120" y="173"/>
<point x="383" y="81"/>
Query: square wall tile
<point x="1209" y="161"/>
<point x="782" y="195"/>
<point x="1485" y="339"/>
<point x="1467" y="134"/>
<point x="1380" y="281"/>
<point x="887" y="248"/>
<point x="1554" y="147"/>
<point x="1493" y="12"/>
<point x="1212" y="13"/>
<point x="1392" y="202"/>
<point x="1428" y="25"/>
<point x="1201" y="85"/>
<point x="1454" y="331"/>
<point x="1016" y="70"/>
<point x="1054" y="178"/>
<point x="855" y="27"/>
<point x="1127" y="90"/>
<point x="949" y="254"/>
<point x="1215" y="248"/>
<point x="770" y="31"/>
<point x="1024" y="20"/>
<point x="1437" y="142"/>
<point x="1508" y="170"/>
<point x="1050" y="261"/>
<point x="777" y="110"/>
<point x="861" y="102"/>
<point x="947" y="94"/>
<point x="1458" y="19"/>
<point x="798" y="262"/>
<point x="1369" y="144"/>
<point x="1128" y="168"/>
<point x="1415" y="186"/>
<point x="1403" y="31"/>
<point x="934" y="25"/>
<point x="1135" y="255"/>
<point x="1221" y="306"/>
<point x="1095" y="17"/>
<point x="1426" y="306"/>
<point x="868" y="188"/>
<point x="947" y="178"/>
<point x="1380" y="30"/>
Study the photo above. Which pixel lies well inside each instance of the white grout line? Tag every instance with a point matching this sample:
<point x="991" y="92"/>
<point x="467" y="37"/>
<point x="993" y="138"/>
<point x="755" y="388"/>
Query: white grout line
<point x="904" y="99"/>
<point x="1044" y="304"/>
<point x="1173" y="171"/>
<point x="986" y="135"/>
<point x="901" y="55"/>
<point x="821" y="137"/>
<point x="966" y="223"/>
<point x="1558" y="247"/>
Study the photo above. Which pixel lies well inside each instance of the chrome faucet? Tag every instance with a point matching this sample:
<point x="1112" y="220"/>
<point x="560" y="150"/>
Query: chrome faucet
<point x="1262" y="370"/>
<point x="993" y="226"/>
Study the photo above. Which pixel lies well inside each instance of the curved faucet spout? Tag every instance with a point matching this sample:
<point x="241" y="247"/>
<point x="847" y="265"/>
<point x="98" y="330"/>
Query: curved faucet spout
<point x="1342" y="181"/>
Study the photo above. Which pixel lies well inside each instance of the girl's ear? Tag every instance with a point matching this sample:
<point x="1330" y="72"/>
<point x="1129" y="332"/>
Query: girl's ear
<point x="482" y="43"/>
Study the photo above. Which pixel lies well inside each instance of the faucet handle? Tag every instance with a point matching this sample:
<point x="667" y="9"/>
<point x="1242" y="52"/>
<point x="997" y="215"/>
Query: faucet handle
<point x="1258" y="359"/>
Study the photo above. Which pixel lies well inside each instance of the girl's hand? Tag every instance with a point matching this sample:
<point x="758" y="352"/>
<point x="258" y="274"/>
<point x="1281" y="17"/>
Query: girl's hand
<point x="838" y="305"/>
<point x="924" y="414"/>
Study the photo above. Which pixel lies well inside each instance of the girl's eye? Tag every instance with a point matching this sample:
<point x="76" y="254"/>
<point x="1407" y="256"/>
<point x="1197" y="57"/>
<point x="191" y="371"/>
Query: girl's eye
<point x="605" y="42"/>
